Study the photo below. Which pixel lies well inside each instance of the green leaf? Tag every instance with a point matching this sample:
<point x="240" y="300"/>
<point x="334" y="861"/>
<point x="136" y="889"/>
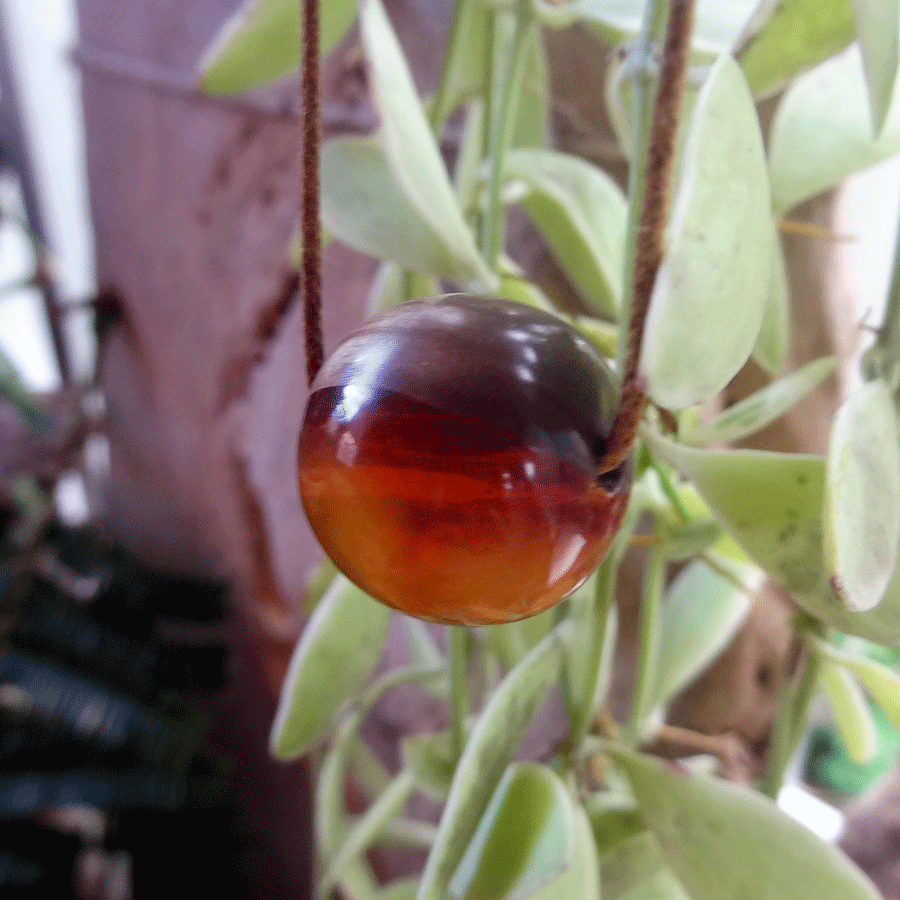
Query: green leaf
<point x="603" y="335"/>
<point x="409" y="144"/>
<point x="771" y="347"/>
<point x="465" y="71"/>
<point x="881" y="682"/>
<point x="702" y="612"/>
<point x="878" y="33"/>
<point x="614" y="819"/>
<point x="521" y="290"/>
<point x="366" y="830"/>
<point x="883" y="685"/>
<point x="662" y="885"/>
<point x="797" y="35"/>
<point x="261" y="42"/>
<point x="580" y="212"/>
<point x="387" y="287"/>
<point x="765" y="406"/>
<point x="421" y="650"/>
<point x="685" y="540"/>
<point x="420" y="645"/>
<point x="708" y="300"/>
<point x="330" y="814"/>
<point x="491" y="746"/>
<point x="373" y="776"/>
<point x="335" y="655"/>
<point x="365" y="207"/>
<point x="532" y="127"/>
<point x="513" y="640"/>
<point x="861" y="521"/>
<point x="619" y="99"/>
<point x="330" y="819"/>
<point x="822" y="132"/>
<point x="717" y="22"/>
<point x="881" y="624"/>
<point x="695" y="507"/>
<point x="431" y="759"/>
<point x="771" y="504"/>
<point x="851" y="713"/>
<point x="581" y="879"/>
<point x="523" y="839"/>
<point x="595" y="618"/>
<point x="726" y="842"/>
<point x="402" y="889"/>
<point x="467" y="175"/>
<point x="320" y="579"/>
<point x="635" y="870"/>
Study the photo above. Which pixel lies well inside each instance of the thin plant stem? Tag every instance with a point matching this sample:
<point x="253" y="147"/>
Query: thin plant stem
<point x="500" y="132"/>
<point x="792" y="707"/>
<point x="459" y="688"/>
<point x="806" y="690"/>
<point x="454" y="35"/>
<point x="403" y="832"/>
<point x="671" y="491"/>
<point x="651" y="168"/>
<point x="780" y="739"/>
<point x="367" y="829"/>
<point x="490" y="41"/>
<point x="406" y="286"/>
<point x="648" y="641"/>
<point x="311" y="260"/>
<point x="581" y="709"/>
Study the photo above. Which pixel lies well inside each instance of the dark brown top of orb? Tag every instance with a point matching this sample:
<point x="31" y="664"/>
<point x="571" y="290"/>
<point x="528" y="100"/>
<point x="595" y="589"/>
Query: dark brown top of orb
<point x="490" y="359"/>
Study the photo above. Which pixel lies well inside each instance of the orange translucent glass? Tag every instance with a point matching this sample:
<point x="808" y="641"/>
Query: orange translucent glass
<point x="448" y="459"/>
<point x="445" y="517"/>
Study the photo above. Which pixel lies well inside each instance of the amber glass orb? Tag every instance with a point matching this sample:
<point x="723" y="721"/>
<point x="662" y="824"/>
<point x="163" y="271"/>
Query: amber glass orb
<point x="448" y="459"/>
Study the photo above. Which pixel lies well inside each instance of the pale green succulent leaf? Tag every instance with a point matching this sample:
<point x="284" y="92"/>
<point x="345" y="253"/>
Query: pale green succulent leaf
<point x="852" y="717"/>
<point x="702" y="612"/>
<point x="409" y="144"/>
<point x="489" y="750"/>
<point x="726" y="842"/>
<point x="580" y="213"/>
<point x="708" y="300"/>
<point x="335" y="655"/>
<point x="822" y="132"/>
<point x="861" y="520"/>
<point x="755" y="412"/>
<point x="794" y="36"/>
<point x="878" y="34"/>
<point x="260" y="42"/>
<point x="774" y="338"/>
